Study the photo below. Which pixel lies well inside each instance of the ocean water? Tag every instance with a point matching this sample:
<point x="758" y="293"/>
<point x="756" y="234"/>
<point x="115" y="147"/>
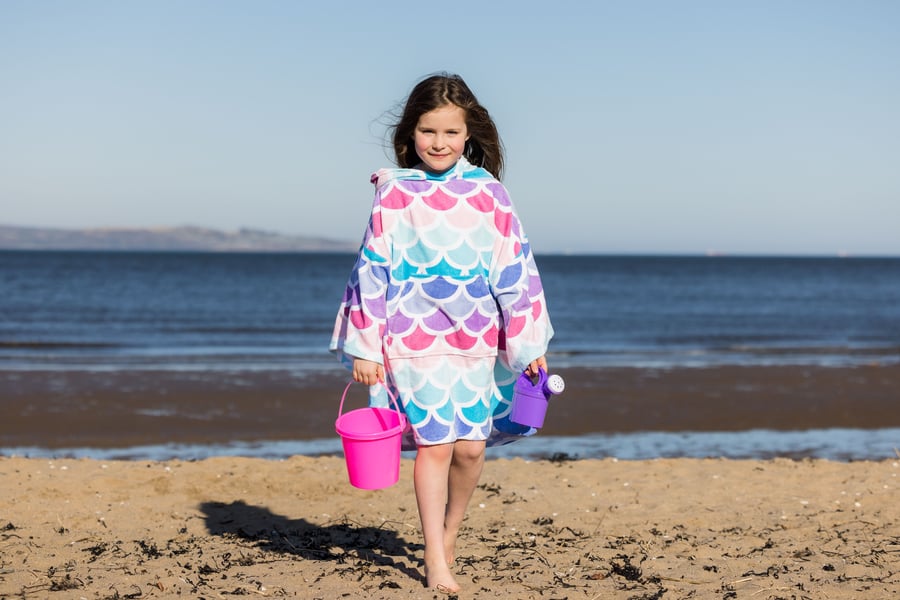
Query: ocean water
<point x="108" y="310"/>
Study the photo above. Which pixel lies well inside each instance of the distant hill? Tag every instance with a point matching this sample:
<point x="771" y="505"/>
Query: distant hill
<point x="164" y="239"/>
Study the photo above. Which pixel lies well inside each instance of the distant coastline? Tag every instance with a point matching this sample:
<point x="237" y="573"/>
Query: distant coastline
<point x="189" y="238"/>
<point x="160" y="239"/>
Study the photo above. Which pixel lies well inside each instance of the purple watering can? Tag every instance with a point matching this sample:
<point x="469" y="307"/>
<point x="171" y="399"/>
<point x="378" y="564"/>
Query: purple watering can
<point x="530" y="398"/>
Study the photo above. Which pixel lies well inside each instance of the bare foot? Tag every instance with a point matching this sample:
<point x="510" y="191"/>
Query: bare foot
<point x="440" y="578"/>
<point x="450" y="545"/>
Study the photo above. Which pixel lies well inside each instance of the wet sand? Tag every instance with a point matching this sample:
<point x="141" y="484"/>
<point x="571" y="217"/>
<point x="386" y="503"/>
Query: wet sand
<point x="59" y="409"/>
<point x="641" y="530"/>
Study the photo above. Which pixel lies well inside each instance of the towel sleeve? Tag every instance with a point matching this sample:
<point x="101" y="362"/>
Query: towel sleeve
<point x="361" y="320"/>
<point x="517" y="287"/>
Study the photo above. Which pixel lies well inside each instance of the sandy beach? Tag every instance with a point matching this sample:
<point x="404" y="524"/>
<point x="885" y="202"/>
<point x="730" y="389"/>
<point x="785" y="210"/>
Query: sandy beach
<point x="668" y="528"/>
<point x="549" y="529"/>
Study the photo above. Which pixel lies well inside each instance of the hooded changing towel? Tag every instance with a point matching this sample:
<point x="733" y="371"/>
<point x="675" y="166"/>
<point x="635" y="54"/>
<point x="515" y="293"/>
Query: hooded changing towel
<point x="445" y="268"/>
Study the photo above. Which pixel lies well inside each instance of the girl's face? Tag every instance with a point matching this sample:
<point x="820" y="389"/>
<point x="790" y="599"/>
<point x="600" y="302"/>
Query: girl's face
<point x="440" y="137"/>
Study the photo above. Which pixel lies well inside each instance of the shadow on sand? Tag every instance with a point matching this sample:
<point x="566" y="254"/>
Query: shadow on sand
<point x="342" y="542"/>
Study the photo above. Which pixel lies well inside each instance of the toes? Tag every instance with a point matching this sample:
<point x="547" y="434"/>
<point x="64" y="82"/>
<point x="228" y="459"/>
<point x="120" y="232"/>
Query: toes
<point x="444" y="589"/>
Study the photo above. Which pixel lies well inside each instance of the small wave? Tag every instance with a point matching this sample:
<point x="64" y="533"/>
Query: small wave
<point x="242" y="330"/>
<point x="761" y="444"/>
<point x="731" y="354"/>
<point x="55" y="345"/>
<point x="817" y="350"/>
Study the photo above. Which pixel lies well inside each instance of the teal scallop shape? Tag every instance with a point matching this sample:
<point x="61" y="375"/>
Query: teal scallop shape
<point x="445" y="412"/>
<point x="404" y="237"/>
<point x="481" y="238"/>
<point x="464" y="256"/>
<point x="476" y="413"/>
<point x="463" y="394"/>
<point x="430" y="396"/>
<point x="403" y="270"/>
<point x="421" y="254"/>
<point x="444" y="269"/>
<point x="415" y="413"/>
<point x="443" y="237"/>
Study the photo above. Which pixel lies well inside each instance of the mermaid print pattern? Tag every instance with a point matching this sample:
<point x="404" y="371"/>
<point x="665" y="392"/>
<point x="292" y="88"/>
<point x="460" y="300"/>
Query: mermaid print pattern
<point x="442" y="414"/>
<point x="444" y="269"/>
<point x="445" y="398"/>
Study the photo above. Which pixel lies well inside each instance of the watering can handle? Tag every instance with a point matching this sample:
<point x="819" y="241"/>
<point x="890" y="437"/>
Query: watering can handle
<point x="541" y="378"/>
<point x="390" y="394"/>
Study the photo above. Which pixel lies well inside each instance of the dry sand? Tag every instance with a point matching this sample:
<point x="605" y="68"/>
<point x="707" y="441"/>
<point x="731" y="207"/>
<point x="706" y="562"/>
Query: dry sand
<point x="674" y="528"/>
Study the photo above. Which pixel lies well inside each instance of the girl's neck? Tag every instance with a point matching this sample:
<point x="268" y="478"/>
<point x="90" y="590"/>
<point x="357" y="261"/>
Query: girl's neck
<point x="422" y="167"/>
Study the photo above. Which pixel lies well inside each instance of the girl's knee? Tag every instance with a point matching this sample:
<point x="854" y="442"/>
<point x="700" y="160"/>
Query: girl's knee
<point x="468" y="451"/>
<point x="438" y="453"/>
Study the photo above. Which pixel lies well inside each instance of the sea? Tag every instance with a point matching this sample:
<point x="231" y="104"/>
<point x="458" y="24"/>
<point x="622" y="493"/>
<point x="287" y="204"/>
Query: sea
<point x="217" y="312"/>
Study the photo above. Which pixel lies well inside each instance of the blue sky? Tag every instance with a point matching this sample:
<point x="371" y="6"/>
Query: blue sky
<point x="631" y="127"/>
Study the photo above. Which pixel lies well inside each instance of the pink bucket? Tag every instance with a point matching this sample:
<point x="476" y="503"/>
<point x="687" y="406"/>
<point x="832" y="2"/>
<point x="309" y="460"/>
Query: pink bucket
<point x="371" y="438"/>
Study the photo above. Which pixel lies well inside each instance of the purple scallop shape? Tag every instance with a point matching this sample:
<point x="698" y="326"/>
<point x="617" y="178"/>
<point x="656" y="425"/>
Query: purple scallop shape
<point x="439" y="288"/>
<point x="510" y="276"/>
<point x="438" y="321"/>
<point x="376" y="307"/>
<point x="499" y="193"/>
<point x="433" y="430"/>
<point x="400" y="323"/>
<point x="416" y="186"/>
<point x="477" y="322"/>
<point x="460" y="186"/>
<point x="478" y="289"/>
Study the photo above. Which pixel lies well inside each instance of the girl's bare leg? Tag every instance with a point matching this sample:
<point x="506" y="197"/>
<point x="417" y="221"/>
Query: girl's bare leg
<point x="465" y="470"/>
<point x="431" y="476"/>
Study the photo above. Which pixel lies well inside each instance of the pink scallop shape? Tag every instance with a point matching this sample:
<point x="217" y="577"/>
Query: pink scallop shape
<point x="359" y="319"/>
<point x="481" y="202"/>
<point x="439" y="200"/>
<point x="396" y="199"/>
<point x="464" y="220"/>
<point x="503" y="221"/>
<point x="461" y="340"/>
<point x="515" y="326"/>
<point x="491" y="337"/>
<point x="418" y="340"/>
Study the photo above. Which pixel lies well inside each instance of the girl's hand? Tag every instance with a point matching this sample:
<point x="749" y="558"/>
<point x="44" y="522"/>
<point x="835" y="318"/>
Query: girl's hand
<point x="536" y="365"/>
<point x="367" y="371"/>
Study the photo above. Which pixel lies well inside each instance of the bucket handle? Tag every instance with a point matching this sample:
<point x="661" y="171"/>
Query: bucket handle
<point x="386" y="388"/>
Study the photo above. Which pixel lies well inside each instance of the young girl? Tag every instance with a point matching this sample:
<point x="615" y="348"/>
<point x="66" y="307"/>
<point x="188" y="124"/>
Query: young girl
<point x="445" y="302"/>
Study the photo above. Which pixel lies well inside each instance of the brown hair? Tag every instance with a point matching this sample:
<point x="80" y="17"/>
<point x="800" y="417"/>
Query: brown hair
<point x="484" y="147"/>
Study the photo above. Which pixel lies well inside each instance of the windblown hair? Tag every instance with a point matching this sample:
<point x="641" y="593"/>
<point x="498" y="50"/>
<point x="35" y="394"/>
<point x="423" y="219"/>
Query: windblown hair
<point x="483" y="148"/>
